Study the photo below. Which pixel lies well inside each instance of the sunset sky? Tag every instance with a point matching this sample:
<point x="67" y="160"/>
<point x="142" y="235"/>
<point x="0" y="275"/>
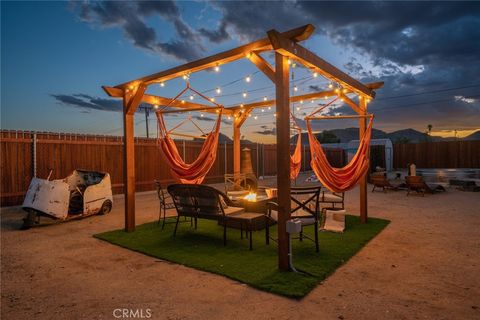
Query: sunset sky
<point x="55" y="56"/>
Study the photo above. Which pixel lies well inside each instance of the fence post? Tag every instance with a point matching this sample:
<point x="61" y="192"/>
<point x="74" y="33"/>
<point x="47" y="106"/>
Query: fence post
<point x="34" y="154"/>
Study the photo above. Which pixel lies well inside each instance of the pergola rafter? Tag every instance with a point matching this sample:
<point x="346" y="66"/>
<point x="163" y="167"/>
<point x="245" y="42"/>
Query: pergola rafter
<point x="285" y="46"/>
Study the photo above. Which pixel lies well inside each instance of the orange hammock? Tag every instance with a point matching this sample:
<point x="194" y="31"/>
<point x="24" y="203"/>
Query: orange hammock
<point x="340" y="179"/>
<point x="195" y="172"/>
<point x="296" y="158"/>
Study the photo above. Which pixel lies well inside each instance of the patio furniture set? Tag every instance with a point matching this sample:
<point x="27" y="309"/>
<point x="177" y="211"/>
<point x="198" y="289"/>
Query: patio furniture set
<point x="412" y="184"/>
<point x="232" y="210"/>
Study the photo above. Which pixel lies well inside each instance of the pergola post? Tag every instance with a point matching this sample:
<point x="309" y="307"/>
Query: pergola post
<point x="362" y="124"/>
<point x="131" y="100"/>
<point x="283" y="155"/>
<point x="236" y="148"/>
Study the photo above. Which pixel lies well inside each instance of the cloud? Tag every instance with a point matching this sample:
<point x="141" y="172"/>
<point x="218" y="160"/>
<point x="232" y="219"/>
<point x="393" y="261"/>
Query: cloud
<point x="87" y="102"/>
<point x="200" y="118"/>
<point x="267" y="131"/>
<point x="130" y="17"/>
<point x="216" y="36"/>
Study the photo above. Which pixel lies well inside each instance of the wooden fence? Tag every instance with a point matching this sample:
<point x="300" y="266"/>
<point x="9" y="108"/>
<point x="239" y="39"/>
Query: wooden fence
<point x="25" y="153"/>
<point x="445" y="154"/>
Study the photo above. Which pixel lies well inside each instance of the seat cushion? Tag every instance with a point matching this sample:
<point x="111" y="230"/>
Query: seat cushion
<point x="233" y="210"/>
<point x="328" y="197"/>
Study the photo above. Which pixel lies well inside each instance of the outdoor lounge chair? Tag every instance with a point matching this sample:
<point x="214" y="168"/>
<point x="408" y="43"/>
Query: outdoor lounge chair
<point x="202" y="202"/>
<point x="305" y="207"/>
<point x="381" y="181"/>
<point x="165" y="203"/>
<point x="417" y="184"/>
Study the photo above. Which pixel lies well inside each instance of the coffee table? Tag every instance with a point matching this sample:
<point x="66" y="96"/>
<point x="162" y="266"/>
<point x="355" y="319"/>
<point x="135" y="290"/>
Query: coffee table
<point x="248" y="221"/>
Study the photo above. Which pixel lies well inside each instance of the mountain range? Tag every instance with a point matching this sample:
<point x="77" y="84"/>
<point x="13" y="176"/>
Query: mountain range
<point x="404" y="135"/>
<point x="348" y="134"/>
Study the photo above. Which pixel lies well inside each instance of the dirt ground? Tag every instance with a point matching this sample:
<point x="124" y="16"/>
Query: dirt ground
<point x="424" y="265"/>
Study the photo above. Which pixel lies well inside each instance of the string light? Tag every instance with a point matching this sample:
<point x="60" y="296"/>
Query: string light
<point x="330" y="85"/>
<point x="337" y="90"/>
<point x="155" y="107"/>
<point x="248" y="79"/>
<point x="275" y="114"/>
<point x="295" y="88"/>
<point x="183" y="101"/>
<point x="298" y="108"/>
<point x="218" y="90"/>
<point x="263" y="110"/>
<point x="269" y="108"/>
<point x="312" y="101"/>
<point x="217" y="68"/>
<point x="241" y="105"/>
<point x="185" y="77"/>
<point x="249" y="115"/>
<point x="301" y="101"/>
<point x="289" y="61"/>
<point x="162" y="84"/>
<point x="265" y="98"/>
<point x="244" y="94"/>
<point x="255" y="117"/>
<point x="191" y="97"/>
<point x="345" y="90"/>
<point x="201" y="114"/>
<point x="212" y="99"/>
<point x="315" y="74"/>
<point x="229" y="118"/>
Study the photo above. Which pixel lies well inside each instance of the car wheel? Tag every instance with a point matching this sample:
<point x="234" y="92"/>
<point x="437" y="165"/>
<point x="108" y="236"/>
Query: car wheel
<point x="106" y="207"/>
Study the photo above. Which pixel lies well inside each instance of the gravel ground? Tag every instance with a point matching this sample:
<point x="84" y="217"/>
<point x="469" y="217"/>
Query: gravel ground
<point x="424" y="265"/>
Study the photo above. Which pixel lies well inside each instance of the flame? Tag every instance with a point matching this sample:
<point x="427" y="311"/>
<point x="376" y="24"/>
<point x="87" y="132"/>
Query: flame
<point x="251" y="196"/>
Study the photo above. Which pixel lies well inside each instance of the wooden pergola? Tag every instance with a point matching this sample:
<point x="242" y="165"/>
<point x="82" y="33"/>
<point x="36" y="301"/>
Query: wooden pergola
<point x="286" y="46"/>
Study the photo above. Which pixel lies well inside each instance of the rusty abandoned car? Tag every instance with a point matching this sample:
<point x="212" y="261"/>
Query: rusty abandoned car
<point x="81" y="194"/>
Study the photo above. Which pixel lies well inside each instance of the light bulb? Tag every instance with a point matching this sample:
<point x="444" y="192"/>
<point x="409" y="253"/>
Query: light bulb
<point x="183" y="101"/>
<point x="264" y="98"/>
<point x="155" y="107"/>
<point x="248" y="79"/>
<point x="345" y="90"/>
<point x="255" y="117"/>
<point x="244" y="94"/>
<point x="298" y="108"/>
<point x="263" y="110"/>
<point x="241" y="105"/>
<point x="330" y="85"/>
<point x="313" y="101"/>
<point x="289" y="61"/>
<point x="295" y="88"/>
<point x="201" y="114"/>
<point x="269" y="108"/>
<point x="191" y="97"/>
<point x="217" y="68"/>
<point x="218" y="90"/>
<point x="315" y="74"/>
<point x="185" y="77"/>
<point x="301" y="101"/>
<point x="212" y="99"/>
<point x="162" y="84"/>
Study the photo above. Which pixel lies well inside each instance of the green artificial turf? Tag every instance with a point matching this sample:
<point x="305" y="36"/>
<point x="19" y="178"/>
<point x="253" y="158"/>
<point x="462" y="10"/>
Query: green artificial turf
<point x="203" y="249"/>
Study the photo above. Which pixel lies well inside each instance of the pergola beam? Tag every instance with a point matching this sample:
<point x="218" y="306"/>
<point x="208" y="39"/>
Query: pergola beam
<point x="262" y="65"/>
<point x="162" y="101"/>
<point x="295" y="51"/>
<point x="308" y="96"/>
<point x="297" y="34"/>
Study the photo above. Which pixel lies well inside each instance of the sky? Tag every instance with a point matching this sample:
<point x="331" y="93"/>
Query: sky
<point x="55" y="56"/>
